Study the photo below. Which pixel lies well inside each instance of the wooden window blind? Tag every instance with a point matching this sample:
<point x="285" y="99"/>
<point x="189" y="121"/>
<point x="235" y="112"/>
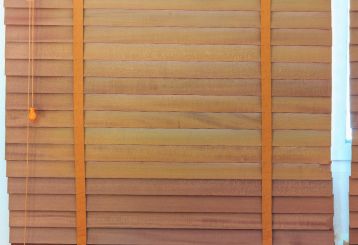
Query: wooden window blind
<point x="172" y="112"/>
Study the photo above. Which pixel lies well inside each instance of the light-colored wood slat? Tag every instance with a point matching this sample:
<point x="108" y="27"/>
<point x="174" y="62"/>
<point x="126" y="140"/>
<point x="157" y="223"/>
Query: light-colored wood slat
<point x="354" y="86"/>
<point x="304" y="5"/>
<point x="50" y="119"/>
<point x="41" y="152"/>
<point x="46" y="51"/>
<point x="171" y="120"/>
<point x="354" y="36"/>
<point x="56" y="85"/>
<point x="172" y="35"/>
<point x="302" y="88"/>
<point x="354" y="123"/>
<point x="353" y="52"/>
<point x="172" y="69"/>
<point x="354" y="19"/>
<point x="155" y="170"/>
<point x="301" y="172"/>
<point x="302" y="71"/>
<point x="113" y="119"/>
<point x="44" y="235"/>
<point x="139" y="153"/>
<point x="298" y="37"/>
<point x="173" y="204"/>
<point x="205" y="104"/>
<point x="169" y="220"/>
<point x="353" y="236"/>
<point x="302" y="104"/>
<point x="203" y="120"/>
<point x="155" y="187"/>
<point x="40" y="135"/>
<point x="54" y="102"/>
<point x="171" y="153"/>
<point x="170" y="236"/>
<point x="171" y="18"/>
<point x="171" y="137"/>
<point x="151" y="86"/>
<point x="43" y="219"/>
<point x="354" y="103"/>
<point x="50" y="17"/>
<point x="354" y="5"/>
<point x="166" y="86"/>
<point x="301" y="121"/>
<point x="171" y="52"/>
<point x="178" y="5"/>
<point x="250" y="36"/>
<point x="354" y="70"/>
<point x="301" y="138"/>
<point x="354" y="169"/>
<point x="39" y="4"/>
<point x="353" y="203"/>
<point x="301" y="155"/>
<point x="51" y="68"/>
<point x="309" y="54"/>
<point x="40" y="169"/>
<point x="353" y="187"/>
<point x="301" y="20"/>
<point x="42" y="34"/>
<point x="353" y="224"/>
<point x="172" y="103"/>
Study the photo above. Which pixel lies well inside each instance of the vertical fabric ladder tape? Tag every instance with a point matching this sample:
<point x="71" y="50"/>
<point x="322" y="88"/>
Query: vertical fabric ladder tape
<point x="266" y="105"/>
<point x="80" y="173"/>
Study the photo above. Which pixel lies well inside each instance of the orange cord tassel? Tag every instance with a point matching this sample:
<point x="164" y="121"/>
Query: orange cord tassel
<point x="32" y="114"/>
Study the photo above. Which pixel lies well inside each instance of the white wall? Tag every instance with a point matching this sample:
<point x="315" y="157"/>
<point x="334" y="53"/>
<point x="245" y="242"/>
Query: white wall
<point x="4" y="221"/>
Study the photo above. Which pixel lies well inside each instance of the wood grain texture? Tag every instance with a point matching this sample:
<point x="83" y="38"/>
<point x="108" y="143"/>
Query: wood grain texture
<point x="175" y="187"/>
<point x="172" y="237"/>
<point x="172" y="119"/>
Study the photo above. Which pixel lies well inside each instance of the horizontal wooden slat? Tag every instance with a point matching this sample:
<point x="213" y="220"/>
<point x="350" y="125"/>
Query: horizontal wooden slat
<point x="53" y="85"/>
<point x="172" y="103"/>
<point x="49" y="51"/>
<point x="40" y="135"/>
<point x="157" y="170"/>
<point x="117" y="119"/>
<point x="51" y="68"/>
<point x="172" y="69"/>
<point x="301" y="155"/>
<point x="301" y="121"/>
<point x="122" y="17"/>
<point x="174" y="35"/>
<point x="15" y="16"/>
<point x="42" y="34"/>
<point x="302" y="88"/>
<point x="170" y="18"/>
<point x="156" y="187"/>
<point x="39" y="4"/>
<point x="170" y="237"/>
<point x="173" y="136"/>
<point x="301" y="20"/>
<point x="277" y="5"/>
<point x="50" y="119"/>
<point x="172" y="153"/>
<point x="179" y="221"/>
<point x="301" y="138"/>
<point x="171" y="52"/>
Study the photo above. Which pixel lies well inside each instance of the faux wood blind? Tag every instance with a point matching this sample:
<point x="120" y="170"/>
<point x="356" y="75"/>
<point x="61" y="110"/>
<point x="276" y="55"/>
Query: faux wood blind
<point x="172" y="122"/>
<point x="354" y="122"/>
